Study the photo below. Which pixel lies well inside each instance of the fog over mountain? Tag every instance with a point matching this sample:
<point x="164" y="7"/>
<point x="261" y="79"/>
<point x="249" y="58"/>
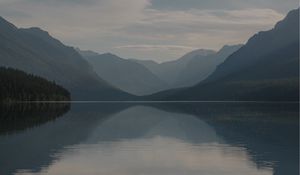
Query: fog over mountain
<point x="160" y="29"/>
<point x="200" y="67"/>
<point x="191" y="68"/>
<point x="170" y="71"/>
<point x="35" y="51"/>
<point x="266" y="68"/>
<point x="125" y="74"/>
<point x="141" y="77"/>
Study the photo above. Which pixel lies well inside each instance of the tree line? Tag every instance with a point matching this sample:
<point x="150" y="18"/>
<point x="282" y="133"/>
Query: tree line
<point x="16" y="85"/>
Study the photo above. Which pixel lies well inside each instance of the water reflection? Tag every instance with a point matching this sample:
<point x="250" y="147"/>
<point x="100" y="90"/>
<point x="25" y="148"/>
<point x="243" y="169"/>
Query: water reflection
<point x="20" y="116"/>
<point x="216" y="139"/>
<point x="157" y="155"/>
<point x="268" y="131"/>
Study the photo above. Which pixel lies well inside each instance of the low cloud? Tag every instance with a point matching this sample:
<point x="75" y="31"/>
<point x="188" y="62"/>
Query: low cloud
<point x="279" y="5"/>
<point x="195" y="29"/>
<point x="134" y="28"/>
<point x="171" y="24"/>
<point x="155" y="47"/>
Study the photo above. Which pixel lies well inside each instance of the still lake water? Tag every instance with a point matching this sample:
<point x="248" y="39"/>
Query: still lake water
<point x="151" y="139"/>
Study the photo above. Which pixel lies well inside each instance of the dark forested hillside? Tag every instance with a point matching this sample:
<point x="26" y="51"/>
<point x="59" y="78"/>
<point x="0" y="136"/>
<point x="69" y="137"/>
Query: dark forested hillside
<point x="16" y="85"/>
<point x="35" y="51"/>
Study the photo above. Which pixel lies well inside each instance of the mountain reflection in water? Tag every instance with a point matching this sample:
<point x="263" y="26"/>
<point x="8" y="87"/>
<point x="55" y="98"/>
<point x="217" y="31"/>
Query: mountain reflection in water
<point x="190" y="138"/>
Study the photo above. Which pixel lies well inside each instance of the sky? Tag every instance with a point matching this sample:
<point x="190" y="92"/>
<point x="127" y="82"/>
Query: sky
<point x="159" y="30"/>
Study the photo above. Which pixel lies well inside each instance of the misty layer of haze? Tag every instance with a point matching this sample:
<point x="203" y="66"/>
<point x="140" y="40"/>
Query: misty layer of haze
<point x="159" y="30"/>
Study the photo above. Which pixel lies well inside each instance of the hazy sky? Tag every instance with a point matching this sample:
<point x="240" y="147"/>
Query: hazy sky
<point x="148" y="29"/>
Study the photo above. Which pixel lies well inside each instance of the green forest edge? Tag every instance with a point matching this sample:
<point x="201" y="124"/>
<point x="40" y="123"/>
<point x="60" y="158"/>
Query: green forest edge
<point x="18" y="86"/>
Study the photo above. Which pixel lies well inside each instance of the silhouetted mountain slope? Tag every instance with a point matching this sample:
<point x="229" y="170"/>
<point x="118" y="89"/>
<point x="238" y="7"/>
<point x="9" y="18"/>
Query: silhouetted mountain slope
<point x="190" y="69"/>
<point x="170" y="71"/>
<point x="200" y="67"/>
<point x="35" y="51"/>
<point x="86" y="53"/>
<point x="266" y="68"/>
<point x="262" y="46"/>
<point x="16" y="85"/>
<point x="125" y="74"/>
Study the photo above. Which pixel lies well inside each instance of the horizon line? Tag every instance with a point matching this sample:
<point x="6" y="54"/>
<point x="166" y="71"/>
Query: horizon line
<point x="174" y="101"/>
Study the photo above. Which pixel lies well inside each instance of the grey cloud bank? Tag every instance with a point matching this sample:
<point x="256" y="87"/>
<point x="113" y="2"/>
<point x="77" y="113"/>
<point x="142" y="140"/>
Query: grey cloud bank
<point x="278" y="5"/>
<point x="148" y="27"/>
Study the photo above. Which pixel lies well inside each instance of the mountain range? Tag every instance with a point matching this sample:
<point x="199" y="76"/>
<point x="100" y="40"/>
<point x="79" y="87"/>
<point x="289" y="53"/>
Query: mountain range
<point x="191" y="68"/>
<point x="200" y="67"/>
<point x="145" y="77"/>
<point x="35" y="51"/>
<point x="170" y="70"/>
<point x="265" y="68"/>
<point x="125" y="74"/>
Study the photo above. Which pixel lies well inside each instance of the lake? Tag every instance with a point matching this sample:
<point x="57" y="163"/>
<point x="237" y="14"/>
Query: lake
<point x="150" y="139"/>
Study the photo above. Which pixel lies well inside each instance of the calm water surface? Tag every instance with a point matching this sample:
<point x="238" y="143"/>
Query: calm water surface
<point x="156" y="139"/>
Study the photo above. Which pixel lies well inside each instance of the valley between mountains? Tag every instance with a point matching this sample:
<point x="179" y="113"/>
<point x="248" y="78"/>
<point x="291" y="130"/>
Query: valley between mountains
<point x="266" y="68"/>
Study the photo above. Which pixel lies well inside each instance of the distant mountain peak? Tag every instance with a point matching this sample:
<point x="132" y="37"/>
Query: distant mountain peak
<point x="292" y="16"/>
<point x="89" y="54"/>
<point x="286" y="26"/>
<point x="190" y="55"/>
<point x="39" y="30"/>
<point x="202" y="52"/>
<point x="126" y="74"/>
<point x="109" y="54"/>
<point x="86" y="53"/>
<point x="229" y="48"/>
<point x="149" y="61"/>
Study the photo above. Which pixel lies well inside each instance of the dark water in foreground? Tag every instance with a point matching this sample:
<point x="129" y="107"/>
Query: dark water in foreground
<point x="153" y="139"/>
